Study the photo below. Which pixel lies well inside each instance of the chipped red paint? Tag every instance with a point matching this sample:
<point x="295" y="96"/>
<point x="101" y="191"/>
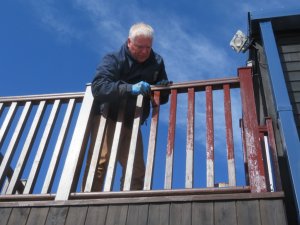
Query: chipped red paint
<point x="244" y="153"/>
<point x="228" y="122"/>
<point x="172" y="122"/>
<point x="155" y="101"/>
<point x="190" y="139"/>
<point x="256" y="168"/>
<point x="171" y="138"/>
<point x="190" y="119"/>
<point x="210" y="174"/>
<point x="209" y="123"/>
<point x="229" y="135"/>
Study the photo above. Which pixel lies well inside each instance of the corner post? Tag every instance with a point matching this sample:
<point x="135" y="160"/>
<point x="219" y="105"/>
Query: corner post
<point x="253" y="149"/>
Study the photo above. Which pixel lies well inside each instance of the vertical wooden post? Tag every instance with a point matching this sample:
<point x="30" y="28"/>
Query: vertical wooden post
<point x="97" y="139"/>
<point x="133" y="142"/>
<point x="190" y="139"/>
<point x="171" y="139"/>
<point x="111" y="167"/>
<point x="229" y="136"/>
<point x="210" y="167"/>
<point x="69" y="170"/>
<point x="256" y="168"/>
<point x="152" y="141"/>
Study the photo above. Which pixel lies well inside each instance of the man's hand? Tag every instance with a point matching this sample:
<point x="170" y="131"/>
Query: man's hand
<point x="164" y="82"/>
<point x="141" y="88"/>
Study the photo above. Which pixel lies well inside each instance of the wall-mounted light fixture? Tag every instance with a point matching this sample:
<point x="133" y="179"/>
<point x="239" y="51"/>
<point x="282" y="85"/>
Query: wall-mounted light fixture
<point x="240" y="42"/>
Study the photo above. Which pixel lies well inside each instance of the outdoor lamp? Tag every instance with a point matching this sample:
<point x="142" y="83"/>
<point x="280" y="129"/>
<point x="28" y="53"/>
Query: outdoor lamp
<point x="239" y="42"/>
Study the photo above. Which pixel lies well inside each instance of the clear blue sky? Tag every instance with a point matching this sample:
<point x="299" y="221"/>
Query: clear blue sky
<point x="54" y="46"/>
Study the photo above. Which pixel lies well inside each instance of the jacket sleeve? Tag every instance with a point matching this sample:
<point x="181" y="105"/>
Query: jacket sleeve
<point x="106" y="85"/>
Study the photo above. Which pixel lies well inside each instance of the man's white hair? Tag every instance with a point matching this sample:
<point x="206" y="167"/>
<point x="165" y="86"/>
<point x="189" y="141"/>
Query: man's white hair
<point x="140" y="29"/>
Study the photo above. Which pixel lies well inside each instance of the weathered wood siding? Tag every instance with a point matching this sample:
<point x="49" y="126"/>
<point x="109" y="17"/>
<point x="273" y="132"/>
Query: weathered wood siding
<point x="246" y="211"/>
<point x="289" y="50"/>
<point x="254" y="212"/>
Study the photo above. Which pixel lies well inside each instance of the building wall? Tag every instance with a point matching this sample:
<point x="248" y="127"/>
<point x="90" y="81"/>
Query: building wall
<point x="271" y="96"/>
<point x="289" y="51"/>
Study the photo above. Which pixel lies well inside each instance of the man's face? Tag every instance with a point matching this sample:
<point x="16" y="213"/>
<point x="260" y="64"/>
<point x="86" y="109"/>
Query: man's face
<point x="140" y="48"/>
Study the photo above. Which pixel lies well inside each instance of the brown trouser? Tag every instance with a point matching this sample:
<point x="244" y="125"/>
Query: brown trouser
<point x="138" y="172"/>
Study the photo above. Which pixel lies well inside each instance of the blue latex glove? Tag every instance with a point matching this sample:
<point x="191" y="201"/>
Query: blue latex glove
<point x="164" y="82"/>
<point x="141" y="88"/>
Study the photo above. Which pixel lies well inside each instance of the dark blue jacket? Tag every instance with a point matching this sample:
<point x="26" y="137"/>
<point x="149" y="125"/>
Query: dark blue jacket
<point x="115" y="76"/>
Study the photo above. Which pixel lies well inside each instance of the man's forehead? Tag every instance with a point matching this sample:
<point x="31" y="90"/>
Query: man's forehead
<point x="142" y="38"/>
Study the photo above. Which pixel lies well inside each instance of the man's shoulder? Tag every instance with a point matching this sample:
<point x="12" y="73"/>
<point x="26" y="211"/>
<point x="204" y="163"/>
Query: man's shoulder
<point x="115" y="56"/>
<point x="157" y="57"/>
<point x="118" y="55"/>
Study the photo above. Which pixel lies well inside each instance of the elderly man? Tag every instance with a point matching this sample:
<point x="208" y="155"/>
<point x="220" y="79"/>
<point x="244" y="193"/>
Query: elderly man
<point x="124" y="75"/>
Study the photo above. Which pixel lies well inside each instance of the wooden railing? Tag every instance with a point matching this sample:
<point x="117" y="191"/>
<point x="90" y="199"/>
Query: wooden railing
<point x="44" y="142"/>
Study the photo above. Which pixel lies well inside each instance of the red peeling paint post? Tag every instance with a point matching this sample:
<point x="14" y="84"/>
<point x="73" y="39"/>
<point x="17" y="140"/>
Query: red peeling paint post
<point x="256" y="169"/>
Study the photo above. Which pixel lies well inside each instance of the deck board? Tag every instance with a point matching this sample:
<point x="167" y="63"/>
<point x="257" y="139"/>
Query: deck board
<point x="117" y="214"/>
<point x="225" y="213"/>
<point x="272" y="212"/>
<point x="158" y="214"/>
<point x="4" y="215"/>
<point x="96" y="215"/>
<point x="202" y="213"/>
<point x="38" y="216"/>
<point x="76" y="215"/>
<point x="137" y="214"/>
<point x="18" y="216"/>
<point x="248" y="212"/>
<point x="57" y="215"/>
<point x="180" y="213"/>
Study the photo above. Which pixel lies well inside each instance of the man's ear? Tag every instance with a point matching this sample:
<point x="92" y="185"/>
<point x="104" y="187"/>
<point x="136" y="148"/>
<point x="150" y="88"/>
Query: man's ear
<point x="128" y="42"/>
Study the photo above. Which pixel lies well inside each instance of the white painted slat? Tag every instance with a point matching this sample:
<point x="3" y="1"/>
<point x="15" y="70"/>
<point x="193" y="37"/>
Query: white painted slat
<point x="14" y="141"/>
<point x="5" y="186"/>
<point x="7" y="121"/>
<point x="231" y="173"/>
<point x="42" y="148"/>
<point x="114" y="150"/>
<point x="1" y="107"/>
<point x="152" y="142"/>
<point x="133" y="141"/>
<point x="96" y="152"/>
<point x="58" y="147"/>
<point x="269" y="164"/>
<point x="26" y="148"/>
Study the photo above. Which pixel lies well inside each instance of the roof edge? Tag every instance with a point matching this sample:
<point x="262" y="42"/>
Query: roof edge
<point x="269" y="14"/>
